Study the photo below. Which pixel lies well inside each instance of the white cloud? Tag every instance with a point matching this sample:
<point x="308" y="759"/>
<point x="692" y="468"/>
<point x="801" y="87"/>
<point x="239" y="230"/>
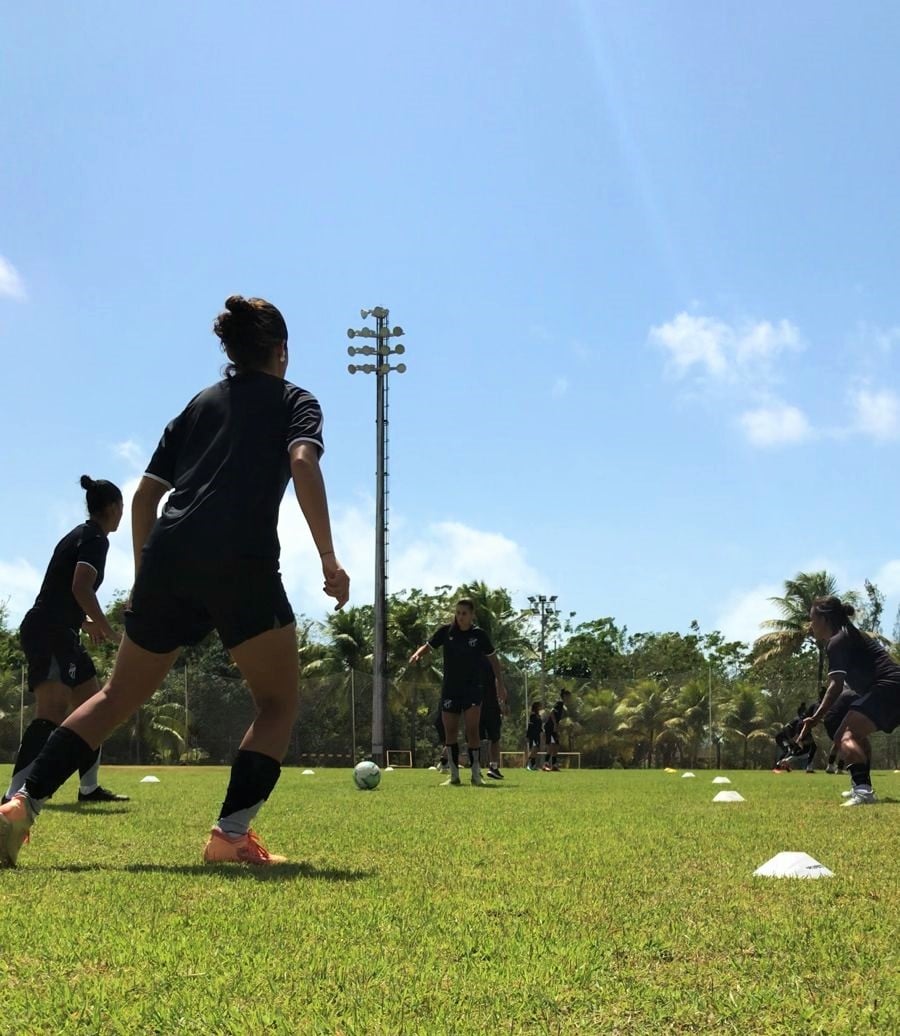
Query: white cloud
<point x="887" y="578"/>
<point x="19" y="584"/>
<point x="877" y="413"/>
<point x="560" y="387"/>
<point x="132" y="453"/>
<point x="775" y="425"/>
<point x="743" y="612"/>
<point x="11" y="284"/>
<point x="440" y="553"/>
<point x="721" y="351"/>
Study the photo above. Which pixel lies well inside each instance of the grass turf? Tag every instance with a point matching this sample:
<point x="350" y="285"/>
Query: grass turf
<point x="580" y="902"/>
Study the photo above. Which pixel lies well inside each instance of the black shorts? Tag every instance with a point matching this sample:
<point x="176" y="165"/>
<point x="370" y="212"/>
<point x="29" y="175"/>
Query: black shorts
<point x="533" y="745"/>
<point x="176" y="603"/>
<point x="490" y="722"/>
<point x="880" y="704"/>
<point x="551" y="737"/>
<point x="461" y="700"/>
<point x="54" y="654"/>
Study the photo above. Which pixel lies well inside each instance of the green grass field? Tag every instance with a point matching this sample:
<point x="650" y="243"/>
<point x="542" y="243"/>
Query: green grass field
<point x="580" y="902"/>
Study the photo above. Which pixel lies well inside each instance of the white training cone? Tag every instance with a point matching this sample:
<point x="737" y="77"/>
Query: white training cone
<point x="721" y="780"/>
<point x="729" y="796"/>
<point x="688" y="774"/>
<point x="670" y="770"/>
<point x="149" y="780"/>
<point x="389" y="769"/>
<point x="793" y="865"/>
<point x="308" y="773"/>
<point x="432" y="767"/>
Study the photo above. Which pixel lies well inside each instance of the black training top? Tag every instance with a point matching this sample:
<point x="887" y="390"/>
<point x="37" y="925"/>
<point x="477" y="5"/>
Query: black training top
<point x="533" y="732"/>
<point x="489" y="686"/>
<point x="55" y="604"/>
<point x="226" y="459"/>
<point x="861" y="660"/>
<point x="463" y="651"/>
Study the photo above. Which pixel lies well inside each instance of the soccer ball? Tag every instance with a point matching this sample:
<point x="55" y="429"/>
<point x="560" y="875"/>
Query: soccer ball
<point x="366" y="775"/>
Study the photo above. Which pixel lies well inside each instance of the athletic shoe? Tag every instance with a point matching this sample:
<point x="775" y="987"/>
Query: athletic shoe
<point x="15" y="822"/>
<point x="101" y="795"/>
<point x="494" y="774"/>
<point x="554" y="769"/>
<point x="831" y="768"/>
<point x="809" y="769"/>
<point x="546" y="768"/>
<point x="860" y="796"/>
<point x="443" y="766"/>
<point x="222" y="848"/>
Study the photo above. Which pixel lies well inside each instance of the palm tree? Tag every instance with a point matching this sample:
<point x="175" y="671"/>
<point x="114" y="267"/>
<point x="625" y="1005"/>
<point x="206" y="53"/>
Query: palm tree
<point x="745" y="717"/>
<point x="644" y="712"/>
<point x="790" y="633"/>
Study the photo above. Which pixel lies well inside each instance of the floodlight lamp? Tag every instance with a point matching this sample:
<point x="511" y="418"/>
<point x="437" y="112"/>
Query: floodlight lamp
<point x="379" y="312"/>
<point x="351" y="333"/>
<point x="351" y="351"/>
<point x="398" y="331"/>
<point x="364" y="313"/>
<point x="400" y="368"/>
<point x="532" y="601"/>
<point x="351" y="367"/>
<point x="553" y="598"/>
<point x="366" y="332"/>
<point x="368" y="368"/>
<point x="383" y="332"/>
<point x="399" y="349"/>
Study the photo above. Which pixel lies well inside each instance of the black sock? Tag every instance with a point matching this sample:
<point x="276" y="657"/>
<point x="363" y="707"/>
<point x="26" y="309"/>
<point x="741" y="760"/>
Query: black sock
<point x="64" y="753"/>
<point x="33" y="740"/>
<point x="860" y="774"/>
<point x="253" y="776"/>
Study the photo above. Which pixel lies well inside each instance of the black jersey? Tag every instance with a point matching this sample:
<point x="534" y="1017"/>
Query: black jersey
<point x="226" y="459"/>
<point x="558" y="710"/>
<point x="490" y="701"/>
<point x="55" y="604"/>
<point x="861" y="660"/>
<point x="464" y="651"/>
<point x="533" y="733"/>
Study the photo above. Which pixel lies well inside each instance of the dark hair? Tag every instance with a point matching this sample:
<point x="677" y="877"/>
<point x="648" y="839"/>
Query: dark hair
<point x="536" y="706"/>
<point x="249" y="330"/>
<point x="834" y="609"/>
<point x="466" y="602"/>
<point x="100" y="494"/>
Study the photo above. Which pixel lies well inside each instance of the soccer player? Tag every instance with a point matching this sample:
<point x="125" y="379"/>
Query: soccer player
<point x="551" y="732"/>
<point x="463" y="645"/>
<point x="533" y="735"/>
<point x="491" y="720"/>
<point x="791" y="747"/>
<point x="61" y="673"/>
<point x="210" y="561"/>
<point x="851" y="716"/>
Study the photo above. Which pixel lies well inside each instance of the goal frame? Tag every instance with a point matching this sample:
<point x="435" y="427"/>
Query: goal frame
<point x="407" y="755"/>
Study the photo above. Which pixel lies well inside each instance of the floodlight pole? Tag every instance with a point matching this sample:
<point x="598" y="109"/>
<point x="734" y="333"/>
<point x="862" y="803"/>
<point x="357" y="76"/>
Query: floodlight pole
<point x="544" y="607"/>
<point x="381" y="368"/>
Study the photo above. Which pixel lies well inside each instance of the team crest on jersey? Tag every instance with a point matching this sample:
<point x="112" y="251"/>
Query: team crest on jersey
<point x="473" y="641"/>
<point x="72" y="670"/>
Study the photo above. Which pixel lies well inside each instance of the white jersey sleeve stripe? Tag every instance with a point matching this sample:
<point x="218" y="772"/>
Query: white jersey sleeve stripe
<point x="158" y="478"/>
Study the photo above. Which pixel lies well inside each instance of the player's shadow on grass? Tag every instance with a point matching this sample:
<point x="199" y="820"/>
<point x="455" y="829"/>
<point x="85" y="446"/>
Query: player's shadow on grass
<point x="280" y="872"/>
<point x="93" y="809"/>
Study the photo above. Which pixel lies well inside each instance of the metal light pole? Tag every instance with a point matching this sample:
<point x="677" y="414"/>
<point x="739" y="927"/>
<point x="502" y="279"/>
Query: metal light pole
<point x="381" y="351"/>
<point x="545" y="608"/>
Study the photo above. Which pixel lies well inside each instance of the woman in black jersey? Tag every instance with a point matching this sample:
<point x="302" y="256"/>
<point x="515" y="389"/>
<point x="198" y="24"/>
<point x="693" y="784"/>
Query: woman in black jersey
<point x="465" y="647"/>
<point x="210" y="561"/>
<point x="61" y="674"/>
<point x="870" y="702"/>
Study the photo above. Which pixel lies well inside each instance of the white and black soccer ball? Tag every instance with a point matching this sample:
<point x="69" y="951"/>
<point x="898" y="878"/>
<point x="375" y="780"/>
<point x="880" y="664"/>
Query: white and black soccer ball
<point x="366" y="775"/>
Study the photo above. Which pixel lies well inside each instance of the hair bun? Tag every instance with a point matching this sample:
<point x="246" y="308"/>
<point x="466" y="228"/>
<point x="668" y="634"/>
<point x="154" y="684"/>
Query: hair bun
<point x="86" y="481"/>
<point x="849" y="610"/>
<point x="237" y="305"/>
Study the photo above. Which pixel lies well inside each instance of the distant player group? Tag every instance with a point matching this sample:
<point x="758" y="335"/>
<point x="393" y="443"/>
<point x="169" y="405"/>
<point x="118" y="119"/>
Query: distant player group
<point x="210" y="561"/>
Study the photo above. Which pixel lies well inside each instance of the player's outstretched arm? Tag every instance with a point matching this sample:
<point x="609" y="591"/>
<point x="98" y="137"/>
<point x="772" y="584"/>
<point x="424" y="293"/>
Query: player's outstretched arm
<point x="309" y="487"/>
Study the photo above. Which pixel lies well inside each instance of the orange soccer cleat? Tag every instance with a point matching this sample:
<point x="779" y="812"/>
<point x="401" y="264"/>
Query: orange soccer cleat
<point x="222" y="848"/>
<point x="15" y="822"/>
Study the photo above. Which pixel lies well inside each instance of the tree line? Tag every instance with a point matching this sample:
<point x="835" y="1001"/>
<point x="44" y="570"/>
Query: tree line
<point x="638" y="699"/>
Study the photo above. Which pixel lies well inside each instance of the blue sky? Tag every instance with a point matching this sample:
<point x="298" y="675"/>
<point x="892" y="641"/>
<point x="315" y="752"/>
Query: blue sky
<point x="646" y="256"/>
